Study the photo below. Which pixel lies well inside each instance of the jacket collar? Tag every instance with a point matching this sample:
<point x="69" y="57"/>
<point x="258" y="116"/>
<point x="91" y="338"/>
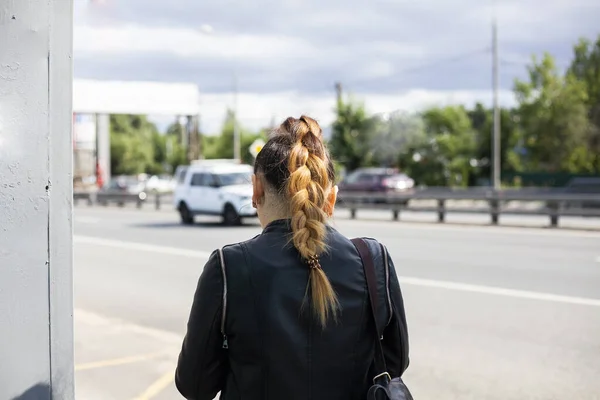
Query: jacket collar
<point x="279" y="225"/>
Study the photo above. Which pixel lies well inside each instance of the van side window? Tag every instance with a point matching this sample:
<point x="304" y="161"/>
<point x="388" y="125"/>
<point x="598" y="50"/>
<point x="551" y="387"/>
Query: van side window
<point x="198" y="180"/>
<point x="210" y="180"/>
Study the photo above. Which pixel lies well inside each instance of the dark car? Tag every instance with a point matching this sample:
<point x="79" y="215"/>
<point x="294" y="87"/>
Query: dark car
<point x="585" y="186"/>
<point x="376" y="180"/>
<point x="122" y="190"/>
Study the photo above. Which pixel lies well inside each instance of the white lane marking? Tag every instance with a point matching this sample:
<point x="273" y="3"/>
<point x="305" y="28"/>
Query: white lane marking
<point x="523" y="294"/>
<point x="598" y="259"/>
<point x="87" y="220"/>
<point x="464" y="287"/>
<point x="175" y="251"/>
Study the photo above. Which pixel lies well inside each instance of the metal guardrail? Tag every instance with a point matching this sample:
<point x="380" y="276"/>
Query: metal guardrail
<point x="122" y="199"/>
<point x="557" y="202"/>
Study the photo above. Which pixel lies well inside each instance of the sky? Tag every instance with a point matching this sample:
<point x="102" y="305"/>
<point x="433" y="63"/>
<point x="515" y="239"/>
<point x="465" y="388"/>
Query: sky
<point x="284" y="56"/>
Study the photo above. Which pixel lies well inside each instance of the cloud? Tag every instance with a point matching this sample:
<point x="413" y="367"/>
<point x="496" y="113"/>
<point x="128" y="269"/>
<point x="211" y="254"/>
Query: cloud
<point x="258" y="111"/>
<point x="287" y="54"/>
<point x="183" y="42"/>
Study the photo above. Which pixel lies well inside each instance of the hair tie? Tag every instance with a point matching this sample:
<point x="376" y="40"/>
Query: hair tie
<point x="313" y="262"/>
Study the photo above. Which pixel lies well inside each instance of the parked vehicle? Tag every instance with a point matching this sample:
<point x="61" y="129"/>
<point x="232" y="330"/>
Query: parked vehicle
<point x="376" y="180"/>
<point x="159" y="183"/>
<point x="121" y="190"/>
<point x="214" y="188"/>
<point x="584" y="186"/>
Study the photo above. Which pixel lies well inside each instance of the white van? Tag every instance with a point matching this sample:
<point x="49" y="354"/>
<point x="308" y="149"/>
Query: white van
<point x="214" y="188"/>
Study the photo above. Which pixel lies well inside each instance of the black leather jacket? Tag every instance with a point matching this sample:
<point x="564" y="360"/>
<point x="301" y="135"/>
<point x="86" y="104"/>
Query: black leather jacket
<point x="276" y="349"/>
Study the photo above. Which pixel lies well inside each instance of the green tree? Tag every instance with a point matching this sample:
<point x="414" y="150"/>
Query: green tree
<point x="394" y="133"/>
<point x="453" y="139"/>
<point x="159" y="154"/>
<point x="352" y="135"/>
<point x="210" y="144"/>
<point x="442" y="156"/>
<point x="553" y="117"/>
<point x="222" y="146"/>
<point x="176" y="153"/>
<point x="585" y="67"/>
<point x="132" y="147"/>
<point x="482" y="121"/>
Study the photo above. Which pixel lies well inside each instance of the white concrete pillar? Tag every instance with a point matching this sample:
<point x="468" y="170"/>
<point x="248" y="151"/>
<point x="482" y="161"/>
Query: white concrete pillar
<point x="36" y="280"/>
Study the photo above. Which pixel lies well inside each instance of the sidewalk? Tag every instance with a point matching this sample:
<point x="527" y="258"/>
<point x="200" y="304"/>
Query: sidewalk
<point x="116" y="360"/>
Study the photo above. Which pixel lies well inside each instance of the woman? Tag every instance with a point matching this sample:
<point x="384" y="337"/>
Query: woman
<point x="298" y="322"/>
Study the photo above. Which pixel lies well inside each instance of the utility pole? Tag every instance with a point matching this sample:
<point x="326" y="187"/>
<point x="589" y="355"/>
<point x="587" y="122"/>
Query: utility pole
<point x="236" y="134"/>
<point x="191" y="142"/>
<point x="338" y="91"/>
<point x="496" y="165"/>
<point x="198" y="135"/>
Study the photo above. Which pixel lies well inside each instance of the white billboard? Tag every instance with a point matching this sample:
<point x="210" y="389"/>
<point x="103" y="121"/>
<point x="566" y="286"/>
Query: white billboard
<point x="84" y="131"/>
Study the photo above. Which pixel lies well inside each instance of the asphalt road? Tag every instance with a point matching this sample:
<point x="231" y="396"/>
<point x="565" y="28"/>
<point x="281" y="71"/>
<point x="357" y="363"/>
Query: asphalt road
<point x="493" y="312"/>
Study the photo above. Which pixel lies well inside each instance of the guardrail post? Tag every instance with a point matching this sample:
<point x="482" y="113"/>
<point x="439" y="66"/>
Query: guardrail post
<point x="553" y="207"/>
<point x="495" y="211"/>
<point x="157" y="201"/>
<point x="353" y="213"/>
<point x="441" y="210"/>
<point x="396" y="214"/>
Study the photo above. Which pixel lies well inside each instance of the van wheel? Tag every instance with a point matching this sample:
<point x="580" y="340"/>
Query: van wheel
<point x="230" y="216"/>
<point x="186" y="216"/>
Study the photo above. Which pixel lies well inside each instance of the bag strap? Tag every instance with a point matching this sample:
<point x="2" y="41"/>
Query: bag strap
<point x="369" y="269"/>
<point x="224" y="313"/>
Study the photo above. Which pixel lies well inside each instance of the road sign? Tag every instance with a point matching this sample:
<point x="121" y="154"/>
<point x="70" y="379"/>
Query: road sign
<point x="256" y="147"/>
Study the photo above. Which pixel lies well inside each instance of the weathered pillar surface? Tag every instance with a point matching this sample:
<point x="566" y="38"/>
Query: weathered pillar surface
<point x="36" y="286"/>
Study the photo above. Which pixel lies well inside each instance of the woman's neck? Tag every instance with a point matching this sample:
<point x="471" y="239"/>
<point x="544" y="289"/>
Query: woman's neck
<point x="272" y="211"/>
<point x="267" y="218"/>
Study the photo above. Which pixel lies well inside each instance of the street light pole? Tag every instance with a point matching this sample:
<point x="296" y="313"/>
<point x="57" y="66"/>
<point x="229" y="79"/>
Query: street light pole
<point x="236" y="132"/>
<point x="496" y="165"/>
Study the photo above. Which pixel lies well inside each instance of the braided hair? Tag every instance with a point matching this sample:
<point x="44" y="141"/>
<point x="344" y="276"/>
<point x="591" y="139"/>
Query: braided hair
<point x="295" y="162"/>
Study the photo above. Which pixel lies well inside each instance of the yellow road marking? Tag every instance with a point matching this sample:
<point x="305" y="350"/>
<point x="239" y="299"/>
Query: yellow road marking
<point x="158" y="386"/>
<point x="118" y="361"/>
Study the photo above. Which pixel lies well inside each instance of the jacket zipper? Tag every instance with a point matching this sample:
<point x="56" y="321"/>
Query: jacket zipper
<point x="224" y="312"/>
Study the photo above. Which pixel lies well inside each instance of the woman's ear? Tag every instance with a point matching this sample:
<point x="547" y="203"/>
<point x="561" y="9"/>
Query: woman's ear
<point x="331" y="200"/>
<point x="258" y="190"/>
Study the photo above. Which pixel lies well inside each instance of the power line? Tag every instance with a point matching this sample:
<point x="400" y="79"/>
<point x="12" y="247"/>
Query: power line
<point x="445" y="61"/>
<point x="421" y="68"/>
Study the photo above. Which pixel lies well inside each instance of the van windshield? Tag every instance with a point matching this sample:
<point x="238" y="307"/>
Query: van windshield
<point x="181" y="175"/>
<point x="235" y="178"/>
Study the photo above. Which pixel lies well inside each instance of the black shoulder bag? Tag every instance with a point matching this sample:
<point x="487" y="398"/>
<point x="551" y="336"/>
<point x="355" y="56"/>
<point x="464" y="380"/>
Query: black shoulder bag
<point x="384" y="386"/>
